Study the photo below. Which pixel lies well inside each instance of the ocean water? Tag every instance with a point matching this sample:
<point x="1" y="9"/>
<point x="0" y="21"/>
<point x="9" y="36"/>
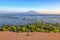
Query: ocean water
<point x="23" y="20"/>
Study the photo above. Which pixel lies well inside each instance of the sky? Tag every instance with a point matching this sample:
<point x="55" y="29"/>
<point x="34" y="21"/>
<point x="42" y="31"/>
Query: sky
<point x="43" y="6"/>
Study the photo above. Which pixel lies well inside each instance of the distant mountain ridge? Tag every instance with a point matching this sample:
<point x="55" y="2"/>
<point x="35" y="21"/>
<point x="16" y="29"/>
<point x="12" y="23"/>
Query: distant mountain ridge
<point x="29" y="13"/>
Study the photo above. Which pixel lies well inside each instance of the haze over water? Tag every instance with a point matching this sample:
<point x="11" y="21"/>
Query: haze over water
<point x="24" y="20"/>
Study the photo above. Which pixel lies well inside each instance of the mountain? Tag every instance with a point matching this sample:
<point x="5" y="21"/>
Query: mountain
<point x="32" y="12"/>
<point x="29" y="13"/>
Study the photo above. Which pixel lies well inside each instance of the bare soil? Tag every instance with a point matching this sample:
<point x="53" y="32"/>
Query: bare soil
<point x="29" y="36"/>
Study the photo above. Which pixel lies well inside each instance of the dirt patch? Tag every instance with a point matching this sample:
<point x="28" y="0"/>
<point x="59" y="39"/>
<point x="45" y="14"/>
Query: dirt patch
<point x="29" y="36"/>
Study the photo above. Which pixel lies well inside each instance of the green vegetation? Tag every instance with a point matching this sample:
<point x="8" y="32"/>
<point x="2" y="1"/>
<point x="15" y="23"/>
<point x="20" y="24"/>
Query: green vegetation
<point x="37" y="27"/>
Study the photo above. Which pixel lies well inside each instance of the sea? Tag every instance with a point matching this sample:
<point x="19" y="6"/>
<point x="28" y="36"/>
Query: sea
<point x="24" y="20"/>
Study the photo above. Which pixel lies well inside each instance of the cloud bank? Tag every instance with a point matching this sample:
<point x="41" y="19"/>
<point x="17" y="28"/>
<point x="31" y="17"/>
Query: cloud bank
<point x="16" y="10"/>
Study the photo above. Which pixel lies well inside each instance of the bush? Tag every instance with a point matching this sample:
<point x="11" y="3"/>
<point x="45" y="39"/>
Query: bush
<point x="37" y="27"/>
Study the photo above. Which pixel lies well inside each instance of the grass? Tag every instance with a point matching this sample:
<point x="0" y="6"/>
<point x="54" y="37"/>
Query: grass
<point x="37" y="27"/>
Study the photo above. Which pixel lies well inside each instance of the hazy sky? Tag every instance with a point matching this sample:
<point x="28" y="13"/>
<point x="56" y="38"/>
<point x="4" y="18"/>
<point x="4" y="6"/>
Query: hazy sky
<point x="45" y="6"/>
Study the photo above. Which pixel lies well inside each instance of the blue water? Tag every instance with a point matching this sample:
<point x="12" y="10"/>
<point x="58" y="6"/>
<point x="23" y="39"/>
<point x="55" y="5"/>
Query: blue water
<point x="23" y="20"/>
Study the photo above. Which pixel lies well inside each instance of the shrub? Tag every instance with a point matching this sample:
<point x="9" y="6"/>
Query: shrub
<point x="37" y="27"/>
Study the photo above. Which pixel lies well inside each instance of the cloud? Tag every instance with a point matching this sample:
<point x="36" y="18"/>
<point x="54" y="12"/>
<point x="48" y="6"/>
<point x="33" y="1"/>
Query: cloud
<point x="12" y="9"/>
<point x="50" y="12"/>
<point x="15" y="10"/>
